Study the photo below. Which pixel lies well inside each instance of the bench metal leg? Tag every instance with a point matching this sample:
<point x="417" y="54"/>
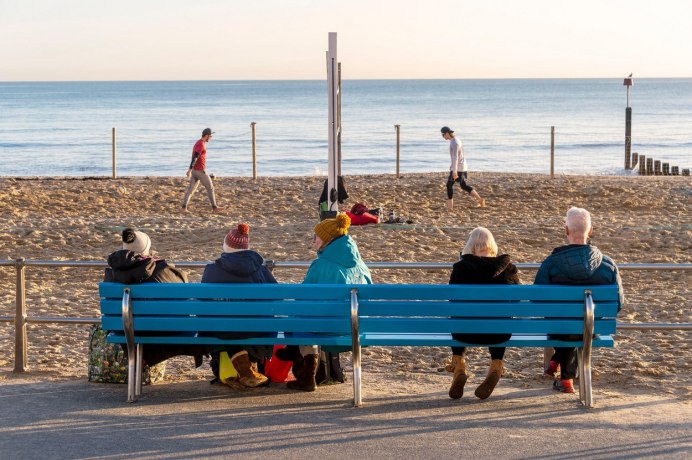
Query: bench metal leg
<point x="131" y="364"/>
<point x="355" y="339"/>
<point x="585" y="390"/>
<point x="140" y="360"/>
<point x="132" y="350"/>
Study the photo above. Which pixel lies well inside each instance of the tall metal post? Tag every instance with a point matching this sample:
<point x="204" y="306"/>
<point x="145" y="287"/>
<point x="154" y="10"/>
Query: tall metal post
<point x="114" y="175"/>
<point x="397" y="128"/>
<point x="20" y="351"/>
<point x="338" y="113"/>
<point x="333" y="124"/>
<point x="628" y="124"/>
<point x="254" y="151"/>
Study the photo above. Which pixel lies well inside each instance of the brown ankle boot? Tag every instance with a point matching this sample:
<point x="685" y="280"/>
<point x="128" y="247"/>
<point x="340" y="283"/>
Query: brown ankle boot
<point x="456" y="391"/>
<point x="247" y="375"/>
<point x="486" y="388"/>
<point x="305" y="380"/>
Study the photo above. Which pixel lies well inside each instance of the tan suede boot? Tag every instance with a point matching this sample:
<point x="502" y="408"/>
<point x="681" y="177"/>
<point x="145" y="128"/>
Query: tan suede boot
<point x="247" y="375"/>
<point x="305" y="380"/>
<point x="456" y="391"/>
<point x="486" y="388"/>
<point x="450" y="204"/>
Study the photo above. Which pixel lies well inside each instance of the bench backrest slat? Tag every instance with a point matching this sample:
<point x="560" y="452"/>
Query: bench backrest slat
<point x="486" y="292"/>
<point x="482" y="309"/>
<point x="234" y="291"/>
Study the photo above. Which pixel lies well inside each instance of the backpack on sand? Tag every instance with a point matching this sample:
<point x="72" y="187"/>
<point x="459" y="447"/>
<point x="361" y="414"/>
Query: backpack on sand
<point x="108" y="361"/>
<point x="329" y="369"/>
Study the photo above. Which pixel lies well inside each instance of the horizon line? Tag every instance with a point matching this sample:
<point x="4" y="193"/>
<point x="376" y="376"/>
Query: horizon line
<point x="345" y="79"/>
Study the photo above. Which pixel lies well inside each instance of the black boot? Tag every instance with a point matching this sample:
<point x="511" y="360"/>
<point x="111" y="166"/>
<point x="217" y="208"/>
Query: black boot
<point x="305" y="380"/>
<point x="290" y="353"/>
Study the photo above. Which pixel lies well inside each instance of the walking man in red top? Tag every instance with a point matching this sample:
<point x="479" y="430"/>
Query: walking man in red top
<point x="198" y="173"/>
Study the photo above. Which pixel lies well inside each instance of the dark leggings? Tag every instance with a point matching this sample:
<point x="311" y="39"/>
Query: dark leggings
<point x="567" y="357"/>
<point x="461" y="178"/>
<point x="484" y="339"/>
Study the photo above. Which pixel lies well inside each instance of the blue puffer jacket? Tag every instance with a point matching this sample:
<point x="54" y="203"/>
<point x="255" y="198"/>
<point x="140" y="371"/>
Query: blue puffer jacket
<point x="238" y="267"/>
<point x="579" y="264"/>
<point x="338" y="263"/>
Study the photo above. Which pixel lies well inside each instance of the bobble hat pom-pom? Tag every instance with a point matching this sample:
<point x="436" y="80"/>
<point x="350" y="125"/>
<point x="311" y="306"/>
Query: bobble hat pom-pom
<point x="238" y="239"/>
<point x="243" y="229"/>
<point x="343" y="221"/>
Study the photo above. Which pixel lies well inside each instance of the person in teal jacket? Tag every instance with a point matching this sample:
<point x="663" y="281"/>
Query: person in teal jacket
<point x="338" y="262"/>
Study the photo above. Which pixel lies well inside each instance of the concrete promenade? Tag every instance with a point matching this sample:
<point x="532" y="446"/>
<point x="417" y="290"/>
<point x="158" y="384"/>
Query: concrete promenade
<point x="40" y="419"/>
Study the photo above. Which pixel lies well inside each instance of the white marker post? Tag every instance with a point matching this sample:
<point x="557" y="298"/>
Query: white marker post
<point x="334" y="125"/>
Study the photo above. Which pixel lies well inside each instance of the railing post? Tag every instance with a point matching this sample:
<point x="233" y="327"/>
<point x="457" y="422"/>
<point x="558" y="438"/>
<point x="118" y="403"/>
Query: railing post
<point x="20" y="341"/>
<point x="398" y="132"/>
<point x="552" y="152"/>
<point x="254" y="151"/>
<point x="114" y="175"/>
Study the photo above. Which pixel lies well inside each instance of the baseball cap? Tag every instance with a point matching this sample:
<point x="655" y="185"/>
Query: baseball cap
<point x="207" y="131"/>
<point x="446" y="130"/>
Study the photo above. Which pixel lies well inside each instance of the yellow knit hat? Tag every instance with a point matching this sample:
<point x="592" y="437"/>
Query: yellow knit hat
<point x="329" y="229"/>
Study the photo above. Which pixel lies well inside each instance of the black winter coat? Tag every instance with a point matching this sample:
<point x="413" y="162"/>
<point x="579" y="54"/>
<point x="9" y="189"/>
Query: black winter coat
<point x="131" y="268"/>
<point x="484" y="270"/>
<point x="238" y="267"/>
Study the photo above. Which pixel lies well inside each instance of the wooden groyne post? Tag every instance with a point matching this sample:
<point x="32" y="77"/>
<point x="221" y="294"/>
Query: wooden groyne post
<point x="113" y="142"/>
<point x="398" y="138"/>
<point x="254" y="151"/>
<point x="628" y="124"/>
<point x="552" y="152"/>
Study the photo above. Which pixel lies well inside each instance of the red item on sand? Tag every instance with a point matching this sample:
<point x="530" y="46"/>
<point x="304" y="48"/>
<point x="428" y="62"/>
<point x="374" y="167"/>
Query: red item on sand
<point x="363" y="219"/>
<point x="276" y="369"/>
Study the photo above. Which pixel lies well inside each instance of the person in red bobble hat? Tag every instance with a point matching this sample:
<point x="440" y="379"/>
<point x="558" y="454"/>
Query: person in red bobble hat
<point x="240" y="264"/>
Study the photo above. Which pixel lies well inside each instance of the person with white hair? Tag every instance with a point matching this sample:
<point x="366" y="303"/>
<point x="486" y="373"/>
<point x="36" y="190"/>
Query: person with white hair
<point x="576" y="263"/>
<point x="480" y="264"/>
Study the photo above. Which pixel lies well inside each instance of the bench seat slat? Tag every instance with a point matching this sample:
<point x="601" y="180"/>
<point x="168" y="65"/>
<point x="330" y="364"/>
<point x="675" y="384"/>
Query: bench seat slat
<point x="478" y="325"/>
<point x="233" y="324"/>
<point x="297" y="339"/>
<point x="445" y="340"/>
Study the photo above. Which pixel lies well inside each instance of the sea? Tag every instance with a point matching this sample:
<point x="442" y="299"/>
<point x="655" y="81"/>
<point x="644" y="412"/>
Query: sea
<point x="66" y="128"/>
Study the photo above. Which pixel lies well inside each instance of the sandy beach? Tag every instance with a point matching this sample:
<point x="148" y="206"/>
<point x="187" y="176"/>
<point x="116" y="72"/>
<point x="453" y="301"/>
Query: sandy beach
<point x="636" y="219"/>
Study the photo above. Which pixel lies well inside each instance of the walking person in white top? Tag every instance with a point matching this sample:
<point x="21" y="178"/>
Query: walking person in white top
<point x="457" y="170"/>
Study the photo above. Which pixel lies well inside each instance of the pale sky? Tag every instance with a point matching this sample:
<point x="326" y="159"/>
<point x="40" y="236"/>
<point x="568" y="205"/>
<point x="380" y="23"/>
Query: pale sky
<point x="54" y="40"/>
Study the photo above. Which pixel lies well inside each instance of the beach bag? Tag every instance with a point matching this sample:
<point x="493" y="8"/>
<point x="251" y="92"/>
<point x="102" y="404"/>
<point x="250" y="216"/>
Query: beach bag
<point x="222" y="367"/>
<point x="108" y="361"/>
<point x="329" y="370"/>
<point x="277" y="369"/>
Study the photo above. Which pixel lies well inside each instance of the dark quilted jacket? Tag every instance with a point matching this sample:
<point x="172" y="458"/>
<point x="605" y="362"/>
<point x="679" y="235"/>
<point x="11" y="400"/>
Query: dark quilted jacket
<point x="579" y="264"/>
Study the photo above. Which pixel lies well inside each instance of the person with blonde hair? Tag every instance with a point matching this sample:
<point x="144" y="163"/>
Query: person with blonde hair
<point x="576" y="263"/>
<point x="480" y="264"/>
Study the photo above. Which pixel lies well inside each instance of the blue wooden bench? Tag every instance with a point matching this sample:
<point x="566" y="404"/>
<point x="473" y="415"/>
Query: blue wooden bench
<point x="190" y="313"/>
<point x="357" y="315"/>
<point x="427" y="315"/>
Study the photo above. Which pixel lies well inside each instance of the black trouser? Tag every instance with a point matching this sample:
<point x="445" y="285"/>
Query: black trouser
<point x="461" y="178"/>
<point x="566" y="356"/>
<point x="482" y="339"/>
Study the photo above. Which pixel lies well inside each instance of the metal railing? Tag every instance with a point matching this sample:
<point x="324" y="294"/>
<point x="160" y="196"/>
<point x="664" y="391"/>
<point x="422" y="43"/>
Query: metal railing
<point x="21" y="320"/>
